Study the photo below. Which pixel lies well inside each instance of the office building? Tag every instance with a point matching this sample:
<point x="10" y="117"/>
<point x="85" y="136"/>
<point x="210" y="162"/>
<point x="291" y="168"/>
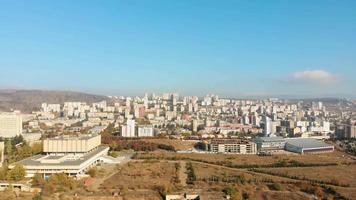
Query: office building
<point x="10" y="124"/>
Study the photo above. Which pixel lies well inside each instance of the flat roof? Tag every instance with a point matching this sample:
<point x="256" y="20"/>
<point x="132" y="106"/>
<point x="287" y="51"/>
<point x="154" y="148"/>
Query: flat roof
<point x="307" y="143"/>
<point x="230" y="141"/>
<point x="36" y="160"/>
<point x="270" y="139"/>
<point x="73" y="137"/>
<point x="53" y="157"/>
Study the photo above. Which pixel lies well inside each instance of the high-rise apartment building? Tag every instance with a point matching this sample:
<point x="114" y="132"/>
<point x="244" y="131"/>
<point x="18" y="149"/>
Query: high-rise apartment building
<point x="10" y="124"/>
<point x="268" y="126"/>
<point x="145" y="131"/>
<point x="128" y="130"/>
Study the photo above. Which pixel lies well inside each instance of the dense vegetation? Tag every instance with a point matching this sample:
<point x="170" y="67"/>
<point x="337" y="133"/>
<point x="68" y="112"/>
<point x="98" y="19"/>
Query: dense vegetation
<point x="332" y="182"/>
<point x="56" y="183"/>
<point x="17" y="149"/>
<point x="15" y="174"/>
<point x="118" y="144"/>
<point x="191" y="174"/>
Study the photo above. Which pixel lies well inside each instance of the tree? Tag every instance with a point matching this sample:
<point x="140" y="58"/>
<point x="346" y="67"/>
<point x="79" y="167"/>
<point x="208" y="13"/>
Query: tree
<point x="38" y="180"/>
<point x="8" y="148"/>
<point x="17" y="140"/>
<point x="3" y="172"/>
<point x="37" y="148"/>
<point x="62" y="180"/>
<point x="17" y="173"/>
<point x="23" y="151"/>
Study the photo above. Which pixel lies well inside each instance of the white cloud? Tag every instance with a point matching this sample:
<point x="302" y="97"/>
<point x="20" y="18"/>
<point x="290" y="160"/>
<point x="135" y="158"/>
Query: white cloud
<point x="313" y="77"/>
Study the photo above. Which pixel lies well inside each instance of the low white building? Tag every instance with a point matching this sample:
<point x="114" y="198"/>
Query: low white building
<point x="145" y="131"/>
<point x="66" y="154"/>
<point x="307" y="146"/>
<point x="235" y="146"/>
<point x="270" y="143"/>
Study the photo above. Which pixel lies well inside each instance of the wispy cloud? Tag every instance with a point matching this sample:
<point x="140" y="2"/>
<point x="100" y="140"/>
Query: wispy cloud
<point x="321" y="77"/>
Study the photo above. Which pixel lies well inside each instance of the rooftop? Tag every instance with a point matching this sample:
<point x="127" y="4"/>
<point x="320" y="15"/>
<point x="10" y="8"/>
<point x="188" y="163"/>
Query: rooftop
<point x="73" y="137"/>
<point x="65" y="160"/>
<point x="229" y="141"/>
<point x="270" y="139"/>
<point x="306" y="142"/>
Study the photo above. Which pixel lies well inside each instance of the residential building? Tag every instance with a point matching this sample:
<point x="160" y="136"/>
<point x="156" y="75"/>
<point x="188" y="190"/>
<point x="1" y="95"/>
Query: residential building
<point x="10" y="124"/>
<point x="268" y="126"/>
<point x="128" y="130"/>
<point x="235" y="146"/>
<point x="145" y="131"/>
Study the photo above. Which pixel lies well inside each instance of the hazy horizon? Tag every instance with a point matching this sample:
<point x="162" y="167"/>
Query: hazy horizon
<point x="242" y="96"/>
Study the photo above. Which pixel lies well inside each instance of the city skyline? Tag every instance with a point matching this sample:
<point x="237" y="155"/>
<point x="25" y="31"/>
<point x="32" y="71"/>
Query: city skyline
<point x="233" y="49"/>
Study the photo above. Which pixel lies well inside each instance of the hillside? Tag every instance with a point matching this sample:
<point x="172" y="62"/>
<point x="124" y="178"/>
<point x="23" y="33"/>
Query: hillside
<point x="29" y="100"/>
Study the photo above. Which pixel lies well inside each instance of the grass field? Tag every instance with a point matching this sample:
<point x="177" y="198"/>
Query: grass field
<point x="255" y="186"/>
<point x="345" y="175"/>
<point x="240" y="160"/>
<point x="141" y="175"/>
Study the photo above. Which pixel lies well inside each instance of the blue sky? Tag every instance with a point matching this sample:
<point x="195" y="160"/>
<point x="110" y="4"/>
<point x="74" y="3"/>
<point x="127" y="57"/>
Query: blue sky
<point x="231" y="48"/>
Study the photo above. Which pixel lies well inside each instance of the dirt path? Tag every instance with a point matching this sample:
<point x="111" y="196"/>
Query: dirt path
<point x="183" y="173"/>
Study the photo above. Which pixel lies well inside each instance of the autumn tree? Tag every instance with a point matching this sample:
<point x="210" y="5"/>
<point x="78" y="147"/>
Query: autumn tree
<point x="17" y="173"/>
<point x="38" y="180"/>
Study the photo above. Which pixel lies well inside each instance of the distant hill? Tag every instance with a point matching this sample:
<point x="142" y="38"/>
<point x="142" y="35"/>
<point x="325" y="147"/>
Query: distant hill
<point x="29" y="100"/>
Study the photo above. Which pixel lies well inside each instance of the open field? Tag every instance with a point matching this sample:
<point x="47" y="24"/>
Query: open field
<point x="343" y="175"/>
<point x="249" y="161"/>
<point x="208" y="173"/>
<point x="254" y="185"/>
<point x="141" y="175"/>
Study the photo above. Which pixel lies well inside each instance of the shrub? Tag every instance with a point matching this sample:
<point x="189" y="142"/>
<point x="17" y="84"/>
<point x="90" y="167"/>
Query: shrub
<point x="92" y="172"/>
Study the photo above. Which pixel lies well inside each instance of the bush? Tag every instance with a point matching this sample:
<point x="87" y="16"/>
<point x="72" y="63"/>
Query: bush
<point x="92" y="172"/>
<point x="113" y="154"/>
<point x="276" y="186"/>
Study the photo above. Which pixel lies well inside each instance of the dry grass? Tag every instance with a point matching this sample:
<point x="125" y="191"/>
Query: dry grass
<point x="335" y="157"/>
<point x="345" y="174"/>
<point x="349" y="193"/>
<point x="141" y="175"/>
